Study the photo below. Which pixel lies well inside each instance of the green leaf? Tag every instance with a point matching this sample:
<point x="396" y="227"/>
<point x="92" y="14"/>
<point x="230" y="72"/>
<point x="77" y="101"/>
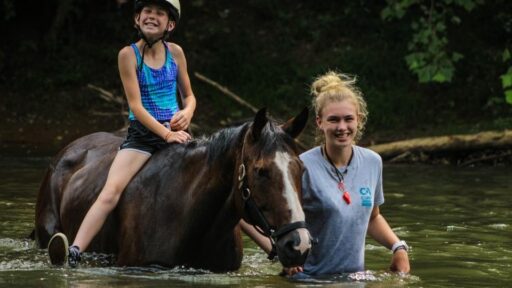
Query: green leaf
<point x="440" y="26"/>
<point x="457" y="56"/>
<point x="413" y="61"/>
<point x="506" y="55"/>
<point x="386" y="14"/>
<point x="425" y="74"/>
<point x="439" y="77"/>
<point x="506" y="80"/>
<point x="508" y="96"/>
<point x="413" y="65"/>
<point x="455" y="20"/>
<point x="467" y="4"/>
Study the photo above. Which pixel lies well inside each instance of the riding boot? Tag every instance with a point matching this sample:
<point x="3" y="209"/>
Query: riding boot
<point x="74" y="256"/>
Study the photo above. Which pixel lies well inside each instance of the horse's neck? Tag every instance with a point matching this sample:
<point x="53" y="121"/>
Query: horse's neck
<point x="226" y="169"/>
<point x="222" y="152"/>
<point x="214" y="194"/>
<point x="224" y="221"/>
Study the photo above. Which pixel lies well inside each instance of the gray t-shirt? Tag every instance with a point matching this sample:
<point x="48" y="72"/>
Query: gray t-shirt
<point x="340" y="228"/>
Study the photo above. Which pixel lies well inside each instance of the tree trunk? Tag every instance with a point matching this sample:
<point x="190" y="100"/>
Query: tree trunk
<point x="445" y="144"/>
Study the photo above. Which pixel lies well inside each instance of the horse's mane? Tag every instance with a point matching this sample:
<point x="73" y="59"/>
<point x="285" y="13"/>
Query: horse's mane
<point x="222" y="141"/>
<point x="219" y="144"/>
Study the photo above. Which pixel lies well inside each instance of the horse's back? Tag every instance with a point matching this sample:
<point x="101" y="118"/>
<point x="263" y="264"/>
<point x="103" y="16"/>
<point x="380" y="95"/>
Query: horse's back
<point x="157" y="218"/>
<point x="65" y="180"/>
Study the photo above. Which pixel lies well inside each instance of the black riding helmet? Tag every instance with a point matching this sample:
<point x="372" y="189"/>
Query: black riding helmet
<point x="172" y="6"/>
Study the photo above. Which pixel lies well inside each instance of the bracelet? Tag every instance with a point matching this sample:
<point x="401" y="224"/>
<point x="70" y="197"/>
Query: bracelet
<point x="399" y="245"/>
<point x="167" y="136"/>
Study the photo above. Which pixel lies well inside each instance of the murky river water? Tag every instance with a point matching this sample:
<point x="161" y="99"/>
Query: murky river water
<point x="458" y="222"/>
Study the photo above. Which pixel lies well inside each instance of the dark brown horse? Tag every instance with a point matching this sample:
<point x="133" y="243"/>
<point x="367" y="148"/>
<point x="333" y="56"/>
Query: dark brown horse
<point x="183" y="206"/>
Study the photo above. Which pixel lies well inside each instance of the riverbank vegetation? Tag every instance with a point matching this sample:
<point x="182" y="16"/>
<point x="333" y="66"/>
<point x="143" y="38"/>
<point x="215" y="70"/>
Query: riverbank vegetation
<point x="427" y="68"/>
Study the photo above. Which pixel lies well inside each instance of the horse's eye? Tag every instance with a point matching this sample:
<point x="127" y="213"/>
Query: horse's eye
<point x="262" y="172"/>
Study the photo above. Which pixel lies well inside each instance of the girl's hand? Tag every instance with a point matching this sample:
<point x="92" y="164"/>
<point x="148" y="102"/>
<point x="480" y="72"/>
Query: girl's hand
<point x="177" y="136"/>
<point x="181" y="120"/>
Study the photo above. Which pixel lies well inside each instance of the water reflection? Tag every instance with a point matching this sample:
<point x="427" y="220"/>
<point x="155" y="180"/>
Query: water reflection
<point x="456" y="221"/>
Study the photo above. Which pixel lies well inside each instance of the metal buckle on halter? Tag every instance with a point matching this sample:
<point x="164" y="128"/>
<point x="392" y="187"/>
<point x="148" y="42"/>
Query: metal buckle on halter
<point x="241" y="176"/>
<point x="241" y="172"/>
<point x="246" y="192"/>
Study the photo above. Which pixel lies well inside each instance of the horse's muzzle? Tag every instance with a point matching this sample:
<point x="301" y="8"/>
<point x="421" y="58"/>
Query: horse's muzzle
<point x="293" y="248"/>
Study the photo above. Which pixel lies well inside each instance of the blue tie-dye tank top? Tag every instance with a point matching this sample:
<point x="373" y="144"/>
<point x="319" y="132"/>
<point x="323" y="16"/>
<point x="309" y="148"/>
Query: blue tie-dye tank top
<point x="157" y="87"/>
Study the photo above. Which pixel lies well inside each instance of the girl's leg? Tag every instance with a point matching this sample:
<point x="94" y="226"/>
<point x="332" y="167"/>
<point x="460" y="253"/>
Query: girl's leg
<point x="126" y="164"/>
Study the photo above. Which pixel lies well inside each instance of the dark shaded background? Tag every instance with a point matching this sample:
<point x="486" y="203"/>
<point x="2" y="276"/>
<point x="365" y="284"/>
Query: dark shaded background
<point x="268" y="52"/>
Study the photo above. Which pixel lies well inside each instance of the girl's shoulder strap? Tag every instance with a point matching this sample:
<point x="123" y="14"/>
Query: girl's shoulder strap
<point x="168" y="50"/>
<point x="136" y="51"/>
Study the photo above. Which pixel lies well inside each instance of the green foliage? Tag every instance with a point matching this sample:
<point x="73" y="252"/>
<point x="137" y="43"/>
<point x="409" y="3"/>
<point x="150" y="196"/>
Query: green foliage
<point x="268" y="52"/>
<point x="430" y="56"/>
<point x="506" y="79"/>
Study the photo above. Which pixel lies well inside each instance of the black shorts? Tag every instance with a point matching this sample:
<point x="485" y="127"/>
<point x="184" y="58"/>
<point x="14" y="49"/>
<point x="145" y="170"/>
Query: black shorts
<point x="142" y="139"/>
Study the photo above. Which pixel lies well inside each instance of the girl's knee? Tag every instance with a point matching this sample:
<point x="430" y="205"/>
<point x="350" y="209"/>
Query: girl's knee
<point x="109" y="197"/>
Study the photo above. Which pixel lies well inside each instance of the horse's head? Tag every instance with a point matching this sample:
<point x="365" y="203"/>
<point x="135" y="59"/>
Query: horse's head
<point x="269" y="186"/>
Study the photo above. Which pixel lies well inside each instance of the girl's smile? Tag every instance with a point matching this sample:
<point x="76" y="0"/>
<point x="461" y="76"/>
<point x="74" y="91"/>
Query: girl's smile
<point x="153" y="21"/>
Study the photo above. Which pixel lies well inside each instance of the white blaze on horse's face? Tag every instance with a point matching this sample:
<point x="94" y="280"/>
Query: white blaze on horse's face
<point x="282" y="161"/>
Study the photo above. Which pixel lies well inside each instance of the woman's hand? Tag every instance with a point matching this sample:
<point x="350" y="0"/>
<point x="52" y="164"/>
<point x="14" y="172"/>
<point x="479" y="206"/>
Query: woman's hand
<point x="400" y="262"/>
<point x="289" y="271"/>
<point x="181" y="120"/>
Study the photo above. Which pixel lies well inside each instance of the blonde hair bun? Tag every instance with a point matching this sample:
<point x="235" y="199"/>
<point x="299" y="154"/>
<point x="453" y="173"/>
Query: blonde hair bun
<point x="336" y="87"/>
<point x="331" y="81"/>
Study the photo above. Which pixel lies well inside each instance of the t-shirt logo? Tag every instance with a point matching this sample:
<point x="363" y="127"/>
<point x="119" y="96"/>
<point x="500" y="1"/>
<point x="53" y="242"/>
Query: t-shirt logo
<point x="366" y="196"/>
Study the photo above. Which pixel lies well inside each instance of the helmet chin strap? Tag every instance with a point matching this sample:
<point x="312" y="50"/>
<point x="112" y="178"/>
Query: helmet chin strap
<point x="148" y="43"/>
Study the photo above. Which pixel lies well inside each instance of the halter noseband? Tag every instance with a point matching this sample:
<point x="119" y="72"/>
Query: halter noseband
<point x="256" y="217"/>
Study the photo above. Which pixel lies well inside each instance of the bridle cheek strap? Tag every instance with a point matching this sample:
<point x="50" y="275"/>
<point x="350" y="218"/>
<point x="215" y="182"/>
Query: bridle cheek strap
<point x="259" y="221"/>
<point x="256" y="217"/>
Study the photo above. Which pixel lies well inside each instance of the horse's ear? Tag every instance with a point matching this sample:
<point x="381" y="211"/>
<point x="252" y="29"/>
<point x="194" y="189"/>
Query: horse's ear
<point x="260" y="120"/>
<point x="294" y="126"/>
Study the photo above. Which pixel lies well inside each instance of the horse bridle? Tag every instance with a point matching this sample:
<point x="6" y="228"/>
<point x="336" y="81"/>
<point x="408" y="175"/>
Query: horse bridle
<point x="256" y="217"/>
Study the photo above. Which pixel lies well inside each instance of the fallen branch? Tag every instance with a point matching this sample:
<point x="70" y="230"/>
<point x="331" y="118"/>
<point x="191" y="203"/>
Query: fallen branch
<point x="238" y="99"/>
<point x="112" y="99"/>
<point x="444" y="144"/>
<point x="106" y="95"/>
<point x="226" y="91"/>
<point x="486" y="158"/>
